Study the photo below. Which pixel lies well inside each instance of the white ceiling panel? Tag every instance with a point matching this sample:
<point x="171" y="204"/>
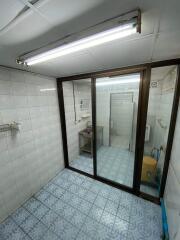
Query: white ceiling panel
<point x="49" y="20"/>
<point x="167" y="46"/>
<point x="8" y="11"/>
<point x="123" y="53"/>
<point x="62" y="11"/>
<point x="170" y="17"/>
<point x="29" y="26"/>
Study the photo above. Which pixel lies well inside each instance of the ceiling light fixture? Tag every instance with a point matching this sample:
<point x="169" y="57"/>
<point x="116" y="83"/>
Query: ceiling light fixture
<point x="120" y="30"/>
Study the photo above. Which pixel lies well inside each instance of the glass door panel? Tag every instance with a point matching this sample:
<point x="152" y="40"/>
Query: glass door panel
<point x="161" y="94"/>
<point x="116" y="120"/>
<point x="78" y="115"/>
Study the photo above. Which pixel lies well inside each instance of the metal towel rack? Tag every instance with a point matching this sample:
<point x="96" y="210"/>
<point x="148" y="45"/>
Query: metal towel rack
<point x="9" y="127"/>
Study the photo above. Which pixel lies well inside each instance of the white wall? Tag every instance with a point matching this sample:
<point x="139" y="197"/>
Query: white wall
<point x="172" y="192"/>
<point x="121" y="114"/>
<point x="32" y="156"/>
<point x="153" y="108"/>
<point x="82" y="91"/>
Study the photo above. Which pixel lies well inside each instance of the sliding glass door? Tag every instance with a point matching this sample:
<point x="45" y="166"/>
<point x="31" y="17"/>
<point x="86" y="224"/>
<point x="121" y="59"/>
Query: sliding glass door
<point x="117" y="101"/>
<point x="161" y="96"/>
<point x="119" y="129"/>
<point x="78" y="119"/>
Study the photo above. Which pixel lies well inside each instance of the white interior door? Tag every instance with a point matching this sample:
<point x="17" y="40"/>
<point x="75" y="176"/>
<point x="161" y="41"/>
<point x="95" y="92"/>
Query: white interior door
<point x="121" y="119"/>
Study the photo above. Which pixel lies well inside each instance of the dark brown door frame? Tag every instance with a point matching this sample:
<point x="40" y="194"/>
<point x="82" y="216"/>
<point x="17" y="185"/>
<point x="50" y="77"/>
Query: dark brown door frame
<point x="140" y="132"/>
<point x="63" y="122"/>
<point x="142" y="114"/>
<point x="93" y="97"/>
<point x="63" y="128"/>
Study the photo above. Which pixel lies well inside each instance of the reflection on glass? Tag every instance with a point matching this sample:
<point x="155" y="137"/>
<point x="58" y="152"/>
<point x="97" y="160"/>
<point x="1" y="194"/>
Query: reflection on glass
<point x="157" y="127"/>
<point x="116" y="117"/>
<point x="77" y="104"/>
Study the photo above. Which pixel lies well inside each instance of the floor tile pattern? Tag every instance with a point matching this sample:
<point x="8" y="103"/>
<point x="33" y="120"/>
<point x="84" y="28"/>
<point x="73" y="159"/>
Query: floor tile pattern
<point x="116" y="164"/>
<point x="83" y="163"/>
<point x="113" y="163"/>
<point x="73" y="206"/>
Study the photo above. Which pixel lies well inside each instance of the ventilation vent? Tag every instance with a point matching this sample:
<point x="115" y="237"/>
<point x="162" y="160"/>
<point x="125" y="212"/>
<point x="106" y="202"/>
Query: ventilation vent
<point x="154" y="84"/>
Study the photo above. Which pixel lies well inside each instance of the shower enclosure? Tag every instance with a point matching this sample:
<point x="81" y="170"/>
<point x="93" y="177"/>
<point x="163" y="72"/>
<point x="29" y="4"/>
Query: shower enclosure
<point x="118" y="125"/>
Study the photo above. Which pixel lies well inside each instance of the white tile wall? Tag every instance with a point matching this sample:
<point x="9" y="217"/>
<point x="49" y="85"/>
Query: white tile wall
<point x="32" y="156"/>
<point x="172" y="193"/>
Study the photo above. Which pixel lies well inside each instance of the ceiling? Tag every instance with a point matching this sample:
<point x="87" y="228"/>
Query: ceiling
<point x="28" y="25"/>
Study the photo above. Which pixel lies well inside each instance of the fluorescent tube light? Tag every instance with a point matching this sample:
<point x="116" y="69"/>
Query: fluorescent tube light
<point x="84" y="43"/>
<point x="121" y="80"/>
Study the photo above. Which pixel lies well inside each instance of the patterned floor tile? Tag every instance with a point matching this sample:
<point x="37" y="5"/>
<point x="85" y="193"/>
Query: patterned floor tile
<point x="95" y="213"/>
<point x="41" y="211"/>
<point x="113" y="163"/>
<point x="49" y="218"/>
<point x="29" y="223"/>
<point x="50" y="201"/>
<point x="18" y="234"/>
<point x="102" y="232"/>
<point x="49" y="235"/>
<point x="85" y="206"/>
<point x="73" y="206"/>
<point x="120" y="225"/>
<point x="100" y="201"/>
<point x="90" y="227"/>
<point x="75" y="201"/>
<point x="111" y="207"/>
<point x="90" y="197"/>
<point x="70" y="232"/>
<point x="123" y="212"/>
<point x="82" y="236"/>
<point x="78" y="219"/>
<point x="32" y="205"/>
<point x="20" y="215"/>
<point x="107" y="219"/>
<point x="38" y="231"/>
<point x="7" y="228"/>
<point x="68" y="212"/>
<point x="59" y="226"/>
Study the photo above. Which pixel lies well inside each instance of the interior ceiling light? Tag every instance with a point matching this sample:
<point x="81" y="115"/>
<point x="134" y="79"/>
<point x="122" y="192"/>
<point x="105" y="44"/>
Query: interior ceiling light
<point x="135" y="78"/>
<point x="122" y="30"/>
